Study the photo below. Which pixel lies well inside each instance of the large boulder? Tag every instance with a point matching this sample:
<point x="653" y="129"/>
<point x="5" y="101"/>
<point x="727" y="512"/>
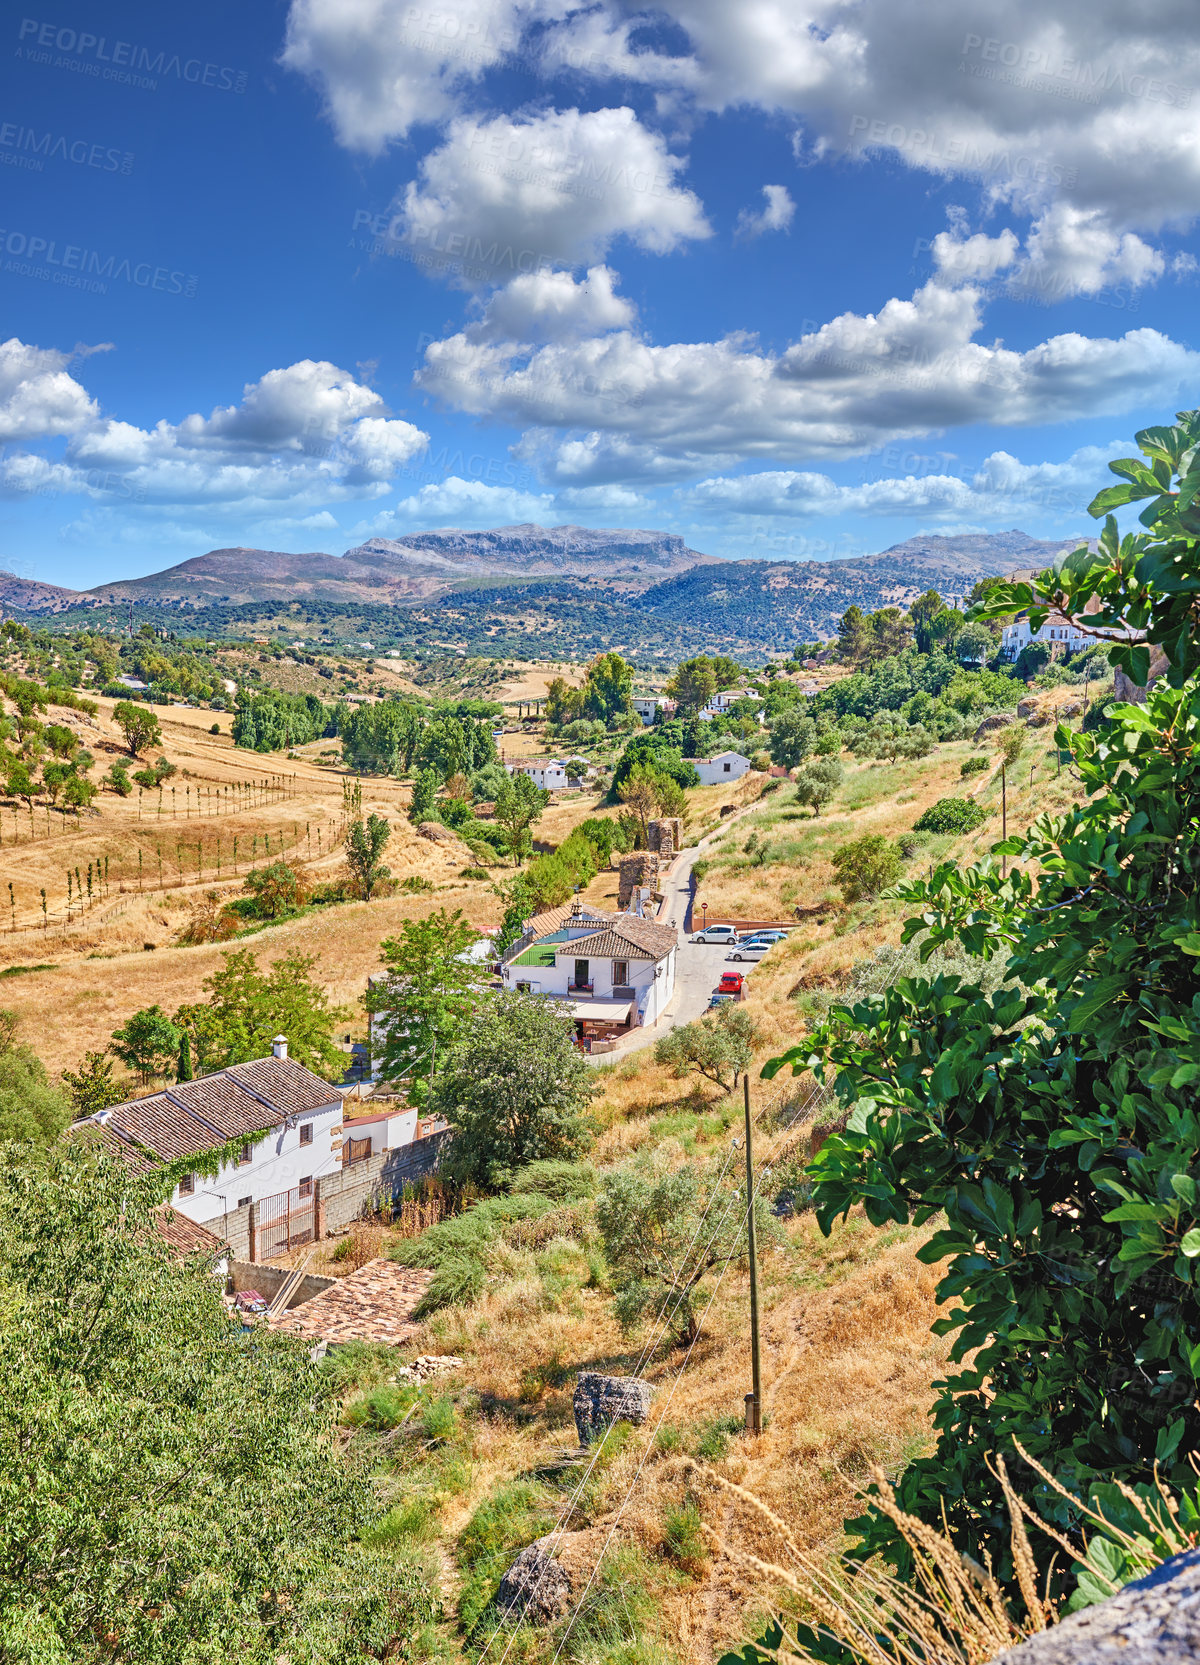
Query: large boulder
<point x="438" y="833"/>
<point x="989" y="725"/>
<point x="602" y="1400"/>
<point x="535" y="1586"/>
<point x="1155" y="1621"/>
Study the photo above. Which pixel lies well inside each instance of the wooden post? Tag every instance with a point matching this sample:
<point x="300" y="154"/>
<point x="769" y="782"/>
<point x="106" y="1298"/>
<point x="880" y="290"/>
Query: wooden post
<point x="754" y="1398"/>
<point x="253" y="1231"/>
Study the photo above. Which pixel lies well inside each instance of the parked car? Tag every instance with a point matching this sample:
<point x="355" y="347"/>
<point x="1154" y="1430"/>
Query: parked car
<point x="766" y="936"/>
<point x="721" y="999"/>
<point x="731" y="982"/>
<point x="750" y="950"/>
<point x="717" y="933"/>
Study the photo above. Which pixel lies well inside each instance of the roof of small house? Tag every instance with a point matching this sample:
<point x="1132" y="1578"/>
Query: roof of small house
<point x="200" y="1115"/>
<point x="186" y="1237"/>
<point x="627" y="938"/>
<point x="573" y="913"/>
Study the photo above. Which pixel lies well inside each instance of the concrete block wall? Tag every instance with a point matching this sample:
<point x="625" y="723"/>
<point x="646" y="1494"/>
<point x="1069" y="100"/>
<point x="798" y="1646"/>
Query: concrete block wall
<point x="269" y="1280"/>
<point x="344" y="1197"/>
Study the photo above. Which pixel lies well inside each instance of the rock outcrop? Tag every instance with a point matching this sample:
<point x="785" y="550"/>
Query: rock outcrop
<point x="535" y="1586"/>
<point x="1155" y="1621"/>
<point x="602" y="1400"/>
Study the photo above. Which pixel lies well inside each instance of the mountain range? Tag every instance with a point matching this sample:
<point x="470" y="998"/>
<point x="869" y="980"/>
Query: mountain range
<point x="626" y="579"/>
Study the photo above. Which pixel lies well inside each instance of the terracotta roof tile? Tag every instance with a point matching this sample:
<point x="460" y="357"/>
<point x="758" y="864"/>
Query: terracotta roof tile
<point x="373" y="1304"/>
<point x="285" y="1083"/>
<point x="169" y="1129"/>
<point x="223" y="1103"/>
<point x="626" y="938"/>
<point x="184" y="1236"/>
<point x="139" y="1161"/>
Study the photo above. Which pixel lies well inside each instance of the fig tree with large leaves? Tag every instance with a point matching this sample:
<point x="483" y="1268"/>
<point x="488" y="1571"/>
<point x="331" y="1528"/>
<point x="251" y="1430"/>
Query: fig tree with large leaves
<point x="1050" y="1130"/>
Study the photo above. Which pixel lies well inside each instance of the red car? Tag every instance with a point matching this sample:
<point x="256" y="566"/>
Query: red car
<point x="731" y="982"/>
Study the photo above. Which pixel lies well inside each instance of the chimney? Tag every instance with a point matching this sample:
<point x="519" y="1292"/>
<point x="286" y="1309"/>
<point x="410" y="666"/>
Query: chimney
<point x="279" y="1046"/>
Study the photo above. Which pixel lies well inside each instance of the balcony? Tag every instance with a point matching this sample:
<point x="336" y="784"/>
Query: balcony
<point x="623" y="991"/>
<point x="580" y="988"/>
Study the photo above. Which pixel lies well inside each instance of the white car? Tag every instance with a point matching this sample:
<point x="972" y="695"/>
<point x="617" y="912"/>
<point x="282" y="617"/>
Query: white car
<point x="750" y="951"/>
<point x="717" y="933"/>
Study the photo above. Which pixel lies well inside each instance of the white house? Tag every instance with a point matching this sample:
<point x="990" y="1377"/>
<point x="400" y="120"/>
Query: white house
<point x="1056" y="632"/>
<point x="720" y="704"/>
<point x="547" y="773"/>
<point x="277" y="1125"/>
<point x="726" y="766"/>
<point x="648" y="706"/>
<point x="616" y="970"/>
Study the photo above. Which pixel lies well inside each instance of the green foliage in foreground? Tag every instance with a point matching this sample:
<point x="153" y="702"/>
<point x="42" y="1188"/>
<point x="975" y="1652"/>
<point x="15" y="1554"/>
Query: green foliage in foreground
<point x="1053" y="1120"/>
<point x="171" y="1492"/>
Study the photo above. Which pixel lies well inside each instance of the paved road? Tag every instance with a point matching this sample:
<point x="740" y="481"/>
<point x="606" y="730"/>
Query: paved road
<point x="698" y="965"/>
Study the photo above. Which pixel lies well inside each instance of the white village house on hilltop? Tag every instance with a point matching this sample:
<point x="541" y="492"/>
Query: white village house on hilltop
<point x="617" y="971"/>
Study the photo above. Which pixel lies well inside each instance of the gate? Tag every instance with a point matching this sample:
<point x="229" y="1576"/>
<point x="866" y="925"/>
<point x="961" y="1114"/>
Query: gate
<point x="285" y="1221"/>
<point x="355" y="1150"/>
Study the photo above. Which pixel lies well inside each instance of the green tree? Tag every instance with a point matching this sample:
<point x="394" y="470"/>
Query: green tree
<point x="91" y="1086"/>
<point x="718" y="1046"/>
<point x="365" y="844"/>
<point x="663" y="1230"/>
<point x="608" y="690"/>
<point x="514" y="1087"/>
<point x="276" y="889"/>
<point x="866" y="866"/>
<point x="519" y="805"/>
<point x="139" y="725"/>
<point x="423" y="806"/>
<point x="818" y="782"/>
<point x="693" y="685"/>
<point x="246" y="1009"/>
<point x="425" y="995"/>
<point x="648" y="791"/>
<point x="922" y="614"/>
<point x="1053" y="1120"/>
<point x="31" y="1107"/>
<point x="854" y="636"/>
<point x="183" y="1064"/>
<point x="117" y="780"/>
<point x="147" y="1043"/>
<point x="974" y="642"/>
<point x="167" y="1494"/>
<point x="793" y="735"/>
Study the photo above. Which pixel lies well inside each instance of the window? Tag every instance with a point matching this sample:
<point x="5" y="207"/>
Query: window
<point x="244" y="1202"/>
<point x="306" y="1133"/>
<point x="581" y="974"/>
<point x="187" y="1184"/>
<point x="305" y="1186"/>
<point x="727" y="768"/>
<point x="243" y="1155"/>
<point x="620" y="972"/>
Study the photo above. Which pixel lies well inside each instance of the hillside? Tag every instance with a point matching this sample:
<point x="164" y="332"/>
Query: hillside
<point x="529" y="591"/>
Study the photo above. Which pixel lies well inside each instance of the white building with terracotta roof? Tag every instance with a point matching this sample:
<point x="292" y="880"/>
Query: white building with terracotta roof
<point x="617" y="971"/>
<point x="276" y="1125"/>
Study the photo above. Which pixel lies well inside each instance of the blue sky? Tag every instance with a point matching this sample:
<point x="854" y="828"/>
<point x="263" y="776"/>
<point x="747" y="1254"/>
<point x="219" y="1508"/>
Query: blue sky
<point x="796" y="278"/>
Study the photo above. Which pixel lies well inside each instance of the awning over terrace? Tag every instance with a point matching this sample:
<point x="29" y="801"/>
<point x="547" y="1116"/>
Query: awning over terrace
<point x="602" y="1011"/>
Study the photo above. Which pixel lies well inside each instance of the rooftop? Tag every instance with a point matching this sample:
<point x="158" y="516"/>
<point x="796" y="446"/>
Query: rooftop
<point x="195" y="1116"/>
<point x="627" y="937"/>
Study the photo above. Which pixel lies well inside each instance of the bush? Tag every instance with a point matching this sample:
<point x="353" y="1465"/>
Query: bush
<point x="416" y="884"/>
<point x="457" y="1282"/>
<point x="473" y="873"/>
<point x="973" y="766"/>
<point x="952" y="815"/>
<point x="683" y="1537"/>
<point x="560" y="1180"/>
<point x="866" y="866"/>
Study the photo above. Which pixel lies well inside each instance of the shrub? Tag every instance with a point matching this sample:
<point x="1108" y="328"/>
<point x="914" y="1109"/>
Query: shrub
<point x="952" y="815"/>
<point x="866" y="866"/>
<point x="560" y="1180"/>
<point x="458" y="1281"/>
<point x="416" y="884"/>
<point x="473" y="873"/>
<point x="973" y="766"/>
<point x="683" y="1537"/>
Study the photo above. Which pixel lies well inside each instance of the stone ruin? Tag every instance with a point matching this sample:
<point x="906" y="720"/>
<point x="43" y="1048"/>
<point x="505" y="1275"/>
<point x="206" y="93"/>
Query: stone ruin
<point x="602" y="1400"/>
<point x="665" y="836"/>
<point x="638" y="869"/>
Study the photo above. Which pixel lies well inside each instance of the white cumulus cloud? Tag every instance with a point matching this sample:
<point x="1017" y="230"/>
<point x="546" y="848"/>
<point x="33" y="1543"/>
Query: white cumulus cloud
<point x="517" y="194"/>
<point x="553" y="306"/>
<point x="776" y="214"/>
<point x="39" y="397"/>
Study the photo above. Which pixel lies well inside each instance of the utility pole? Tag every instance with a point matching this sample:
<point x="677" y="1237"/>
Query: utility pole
<point x="753" y="1399"/>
